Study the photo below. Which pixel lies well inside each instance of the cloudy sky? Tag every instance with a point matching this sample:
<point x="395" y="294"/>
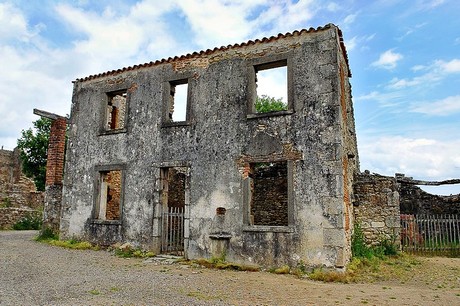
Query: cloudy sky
<point x="404" y="56"/>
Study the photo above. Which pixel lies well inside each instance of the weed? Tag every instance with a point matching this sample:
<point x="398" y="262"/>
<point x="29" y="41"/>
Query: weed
<point x="359" y="248"/>
<point x="282" y="270"/>
<point x="321" y="274"/>
<point x="129" y="252"/>
<point x="202" y="296"/>
<point x="216" y="263"/>
<point x="6" y="202"/>
<point x="29" y="222"/>
<point x="73" y="244"/>
<point x="95" y="292"/>
<point x="47" y="234"/>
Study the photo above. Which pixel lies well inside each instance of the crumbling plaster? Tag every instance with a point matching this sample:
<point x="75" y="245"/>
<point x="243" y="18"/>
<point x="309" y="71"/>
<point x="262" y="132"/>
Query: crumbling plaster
<point x="316" y="135"/>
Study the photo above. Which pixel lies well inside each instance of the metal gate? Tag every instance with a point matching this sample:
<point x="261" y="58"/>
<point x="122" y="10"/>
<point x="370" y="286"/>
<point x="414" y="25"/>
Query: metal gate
<point x="431" y="234"/>
<point x="173" y="231"/>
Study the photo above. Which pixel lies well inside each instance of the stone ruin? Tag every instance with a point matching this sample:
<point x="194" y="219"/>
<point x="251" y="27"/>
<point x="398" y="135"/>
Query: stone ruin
<point x="206" y="174"/>
<point x="18" y="194"/>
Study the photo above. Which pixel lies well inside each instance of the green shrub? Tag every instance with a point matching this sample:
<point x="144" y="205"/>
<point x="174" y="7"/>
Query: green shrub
<point x="6" y="203"/>
<point x="265" y="104"/>
<point x="47" y="234"/>
<point x="359" y="247"/>
<point x="28" y="222"/>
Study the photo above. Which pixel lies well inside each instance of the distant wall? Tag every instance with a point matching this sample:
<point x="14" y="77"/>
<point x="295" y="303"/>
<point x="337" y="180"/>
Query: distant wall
<point x="377" y="207"/>
<point x="11" y="215"/>
<point x="16" y="190"/>
<point x="416" y="201"/>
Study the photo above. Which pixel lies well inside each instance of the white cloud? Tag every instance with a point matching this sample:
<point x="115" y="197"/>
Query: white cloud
<point x="434" y="73"/>
<point x="350" y="18"/>
<point x="388" y="99"/>
<point x="422" y="158"/>
<point x="444" y="107"/>
<point x="361" y="41"/>
<point x="221" y="22"/>
<point x="452" y="66"/>
<point x="388" y="60"/>
<point x="12" y="23"/>
<point x="332" y="7"/>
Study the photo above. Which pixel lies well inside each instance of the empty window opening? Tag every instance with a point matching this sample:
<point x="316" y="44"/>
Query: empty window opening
<point x="109" y="195"/>
<point x="178" y="93"/>
<point x="173" y="197"/>
<point x="269" y="194"/>
<point x="271" y="87"/>
<point x="116" y="109"/>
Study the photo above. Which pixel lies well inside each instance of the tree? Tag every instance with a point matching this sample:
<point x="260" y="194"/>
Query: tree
<point x="266" y="104"/>
<point x="33" y="147"/>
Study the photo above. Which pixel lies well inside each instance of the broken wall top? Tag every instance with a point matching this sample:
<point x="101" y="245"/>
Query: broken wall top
<point x="208" y="52"/>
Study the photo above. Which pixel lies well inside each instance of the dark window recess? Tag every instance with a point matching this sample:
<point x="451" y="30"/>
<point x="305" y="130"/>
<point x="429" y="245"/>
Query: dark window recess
<point x="178" y="99"/>
<point x="116" y="110"/>
<point x="271" y="87"/>
<point x="269" y="194"/>
<point x="109" y="195"/>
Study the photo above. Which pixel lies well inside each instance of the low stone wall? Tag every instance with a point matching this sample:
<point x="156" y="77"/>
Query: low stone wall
<point x="377" y="207"/>
<point x="416" y="201"/>
<point x="11" y="215"/>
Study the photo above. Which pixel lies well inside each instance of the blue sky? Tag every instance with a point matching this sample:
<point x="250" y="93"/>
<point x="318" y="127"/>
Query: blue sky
<point x="404" y="57"/>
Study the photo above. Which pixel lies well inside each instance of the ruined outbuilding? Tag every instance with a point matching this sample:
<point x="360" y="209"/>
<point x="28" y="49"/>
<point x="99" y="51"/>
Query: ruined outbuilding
<point x="18" y="195"/>
<point x="223" y="180"/>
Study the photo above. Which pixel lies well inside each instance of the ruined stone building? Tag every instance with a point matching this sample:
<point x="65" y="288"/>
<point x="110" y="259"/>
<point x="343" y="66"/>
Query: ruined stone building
<point x="18" y="194"/>
<point x="267" y="188"/>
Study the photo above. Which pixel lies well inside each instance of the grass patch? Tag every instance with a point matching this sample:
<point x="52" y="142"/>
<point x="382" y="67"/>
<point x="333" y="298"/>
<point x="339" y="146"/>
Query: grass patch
<point x="370" y="263"/>
<point x="221" y="264"/>
<point x="399" y="267"/>
<point x="129" y="252"/>
<point x="50" y="237"/>
<point x="203" y="297"/>
<point x="73" y="244"/>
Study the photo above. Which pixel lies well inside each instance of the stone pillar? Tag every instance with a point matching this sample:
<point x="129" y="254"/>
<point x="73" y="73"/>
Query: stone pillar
<point x="54" y="171"/>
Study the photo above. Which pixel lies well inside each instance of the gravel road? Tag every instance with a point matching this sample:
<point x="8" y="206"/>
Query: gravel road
<point x="33" y="273"/>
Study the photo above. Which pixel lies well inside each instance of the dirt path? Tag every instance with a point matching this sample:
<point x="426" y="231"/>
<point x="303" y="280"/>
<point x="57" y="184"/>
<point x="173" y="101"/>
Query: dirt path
<point x="32" y="273"/>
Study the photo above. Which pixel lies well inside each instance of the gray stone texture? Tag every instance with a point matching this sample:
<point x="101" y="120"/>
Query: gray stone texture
<point x="217" y="143"/>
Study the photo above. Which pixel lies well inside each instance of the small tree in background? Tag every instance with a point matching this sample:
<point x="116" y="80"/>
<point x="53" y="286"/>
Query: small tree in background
<point x="33" y="146"/>
<point x="265" y="104"/>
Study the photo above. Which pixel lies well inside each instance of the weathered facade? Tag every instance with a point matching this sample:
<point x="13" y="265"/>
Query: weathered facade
<point x="265" y="188"/>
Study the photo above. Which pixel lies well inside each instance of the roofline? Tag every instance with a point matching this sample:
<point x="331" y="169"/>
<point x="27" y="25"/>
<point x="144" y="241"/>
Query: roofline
<point x="223" y="48"/>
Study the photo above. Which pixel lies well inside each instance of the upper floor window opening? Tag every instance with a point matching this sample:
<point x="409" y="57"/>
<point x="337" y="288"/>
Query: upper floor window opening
<point x="178" y="101"/>
<point x="271" y="84"/>
<point x="116" y="111"/>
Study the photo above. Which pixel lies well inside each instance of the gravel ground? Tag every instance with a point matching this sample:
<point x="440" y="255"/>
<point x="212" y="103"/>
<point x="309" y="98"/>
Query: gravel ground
<point x="34" y="273"/>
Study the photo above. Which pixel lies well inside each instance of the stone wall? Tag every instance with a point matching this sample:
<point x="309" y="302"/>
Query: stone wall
<point x="270" y="194"/>
<point x="416" y="201"/>
<point x="377" y="207"/>
<point x="11" y="215"/>
<point x="218" y="141"/>
<point x="16" y="190"/>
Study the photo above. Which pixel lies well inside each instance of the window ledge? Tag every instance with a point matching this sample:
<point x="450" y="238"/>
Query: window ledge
<point x="267" y="228"/>
<point x="175" y="123"/>
<point x="270" y="114"/>
<point x="110" y="132"/>
<point x="106" y="222"/>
